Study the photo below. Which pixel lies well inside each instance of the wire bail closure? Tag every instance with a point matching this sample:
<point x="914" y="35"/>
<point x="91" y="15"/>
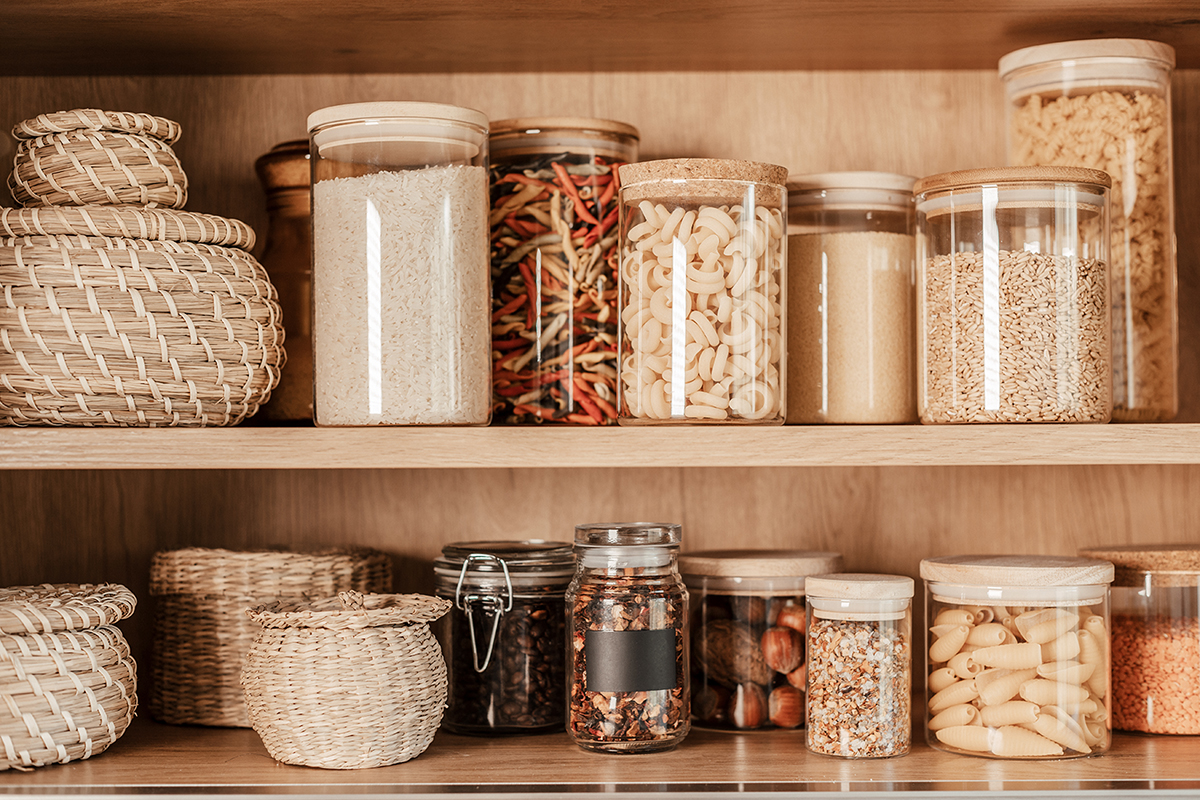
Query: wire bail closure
<point x="490" y="603"/>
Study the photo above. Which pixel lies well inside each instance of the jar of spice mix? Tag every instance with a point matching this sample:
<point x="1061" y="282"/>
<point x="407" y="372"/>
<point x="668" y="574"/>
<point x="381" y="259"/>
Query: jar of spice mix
<point x="747" y="624"/>
<point x="859" y="665"/>
<point x="627" y="625"/>
<point x="1155" y="637"/>
<point x="505" y="637"/>
<point x="554" y="255"/>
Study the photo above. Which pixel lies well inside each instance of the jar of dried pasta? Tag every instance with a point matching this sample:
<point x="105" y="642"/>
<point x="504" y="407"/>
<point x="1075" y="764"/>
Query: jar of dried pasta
<point x="1012" y="296"/>
<point x="1018" y="655"/>
<point x="1155" y="637"/>
<point x="702" y="292"/>
<point x="1106" y="104"/>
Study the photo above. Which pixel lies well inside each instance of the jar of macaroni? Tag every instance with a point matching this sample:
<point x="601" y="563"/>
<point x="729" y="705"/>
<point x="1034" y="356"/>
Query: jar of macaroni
<point x="1106" y="104"/>
<point x="850" y="299"/>
<point x="1012" y="296"/>
<point x="859" y="665"/>
<point x="747" y="655"/>
<point x="1018" y="656"/>
<point x="554" y="257"/>
<point x="1155" y="637"/>
<point x="627" y="626"/>
<point x="401" y="320"/>
<point x="702" y="296"/>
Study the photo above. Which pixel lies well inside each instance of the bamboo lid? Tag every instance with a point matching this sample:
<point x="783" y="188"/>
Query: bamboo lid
<point x="350" y="112"/>
<point x="860" y="586"/>
<point x="1011" y="175"/>
<point x="884" y="181"/>
<point x="1143" y="49"/>
<point x="536" y="125"/>
<point x="1168" y="564"/>
<point x="759" y="563"/>
<point x="1017" y="571"/>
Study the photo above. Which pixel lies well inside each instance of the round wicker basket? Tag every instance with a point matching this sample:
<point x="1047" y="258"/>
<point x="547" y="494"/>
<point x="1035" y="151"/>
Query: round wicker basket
<point x="348" y="682"/>
<point x="67" y="680"/>
<point x="202" y="633"/>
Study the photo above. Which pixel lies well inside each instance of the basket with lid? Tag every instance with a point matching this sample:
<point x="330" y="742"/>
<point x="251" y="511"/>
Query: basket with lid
<point x="67" y="681"/>
<point x="505" y="637"/>
<point x="747" y="631"/>
<point x="1155" y="637"/>
<point x="202" y="634"/>
<point x="1018" y="655"/>
<point x="1012" y="296"/>
<point x="346" y="682"/>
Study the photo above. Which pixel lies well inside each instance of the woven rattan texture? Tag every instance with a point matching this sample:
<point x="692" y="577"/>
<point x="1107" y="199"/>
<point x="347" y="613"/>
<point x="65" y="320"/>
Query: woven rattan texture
<point x="128" y="223"/>
<point x="94" y="119"/>
<point x="63" y="607"/>
<point x="346" y="697"/>
<point x="202" y="632"/>
<point x="85" y="167"/>
<point x="116" y="332"/>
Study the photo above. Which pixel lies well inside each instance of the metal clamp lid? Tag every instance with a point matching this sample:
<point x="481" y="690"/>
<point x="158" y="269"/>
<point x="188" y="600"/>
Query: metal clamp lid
<point x="486" y="602"/>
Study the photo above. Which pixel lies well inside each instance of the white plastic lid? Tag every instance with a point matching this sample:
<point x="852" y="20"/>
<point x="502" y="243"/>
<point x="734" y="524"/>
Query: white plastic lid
<point x="351" y="112"/>
<point x="885" y="181"/>
<point x="1142" y="49"/>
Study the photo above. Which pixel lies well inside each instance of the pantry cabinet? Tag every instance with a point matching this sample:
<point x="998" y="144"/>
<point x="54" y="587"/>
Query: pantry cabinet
<point x="815" y="86"/>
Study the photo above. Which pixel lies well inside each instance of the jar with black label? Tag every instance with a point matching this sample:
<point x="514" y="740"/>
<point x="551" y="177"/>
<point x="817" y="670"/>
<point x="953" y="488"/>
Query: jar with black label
<point x="506" y="634"/>
<point x="627" y="621"/>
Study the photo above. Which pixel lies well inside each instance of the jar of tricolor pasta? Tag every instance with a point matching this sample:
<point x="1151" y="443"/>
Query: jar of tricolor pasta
<point x="1018" y="655"/>
<point x="702" y="292"/>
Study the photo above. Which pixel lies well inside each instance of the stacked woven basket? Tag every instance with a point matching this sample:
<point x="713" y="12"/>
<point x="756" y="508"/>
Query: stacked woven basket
<point x="120" y="309"/>
<point x="67" y="682"/>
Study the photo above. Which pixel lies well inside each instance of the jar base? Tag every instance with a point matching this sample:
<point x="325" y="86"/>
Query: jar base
<point x="629" y="748"/>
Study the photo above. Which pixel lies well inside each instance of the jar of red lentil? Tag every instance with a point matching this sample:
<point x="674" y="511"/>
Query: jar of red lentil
<point x="1155" y="637"/>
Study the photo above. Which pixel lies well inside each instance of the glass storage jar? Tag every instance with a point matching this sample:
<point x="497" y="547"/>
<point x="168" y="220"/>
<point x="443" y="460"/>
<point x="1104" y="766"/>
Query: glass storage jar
<point x="505" y="638"/>
<point x="703" y="334"/>
<point x="287" y="257"/>
<point x="1155" y="637"/>
<point x="1012" y="296"/>
<point x="1106" y="104"/>
<point x="1018" y="655"/>
<point x="859" y="699"/>
<point x="627" y="623"/>
<point x="850" y="299"/>
<point x="401" y="328"/>
<point x="554" y="278"/>
<point x="747" y="628"/>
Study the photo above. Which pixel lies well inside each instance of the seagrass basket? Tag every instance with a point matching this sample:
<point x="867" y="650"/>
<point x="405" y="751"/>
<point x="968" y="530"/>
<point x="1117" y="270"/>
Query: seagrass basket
<point x="347" y="682"/>
<point x="68" y="686"/>
<point x="88" y="156"/>
<point x="202" y="633"/>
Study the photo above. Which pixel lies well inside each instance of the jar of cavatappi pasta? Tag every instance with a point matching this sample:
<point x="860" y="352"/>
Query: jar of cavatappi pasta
<point x="702" y="292"/>
<point x="1012" y="296"/>
<point x="1106" y="104"/>
<point x="1018" y="656"/>
<point x="1155" y="637"/>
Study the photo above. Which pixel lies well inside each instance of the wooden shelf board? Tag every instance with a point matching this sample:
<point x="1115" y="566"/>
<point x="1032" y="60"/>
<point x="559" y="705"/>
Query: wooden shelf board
<point x="78" y="37"/>
<point x="728" y="446"/>
<point x="196" y="760"/>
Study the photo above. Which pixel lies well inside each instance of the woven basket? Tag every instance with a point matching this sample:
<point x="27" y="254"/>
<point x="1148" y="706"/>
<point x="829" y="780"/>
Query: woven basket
<point x="134" y="332"/>
<point x="349" y="682"/>
<point x="128" y="223"/>
<point x="202" y="633"/>
<point x="89" y="156"/>
<point x="67" y="682"/>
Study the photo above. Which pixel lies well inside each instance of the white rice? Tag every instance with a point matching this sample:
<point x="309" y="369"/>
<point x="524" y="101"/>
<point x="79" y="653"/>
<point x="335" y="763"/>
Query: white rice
<point x="402" y="257"/>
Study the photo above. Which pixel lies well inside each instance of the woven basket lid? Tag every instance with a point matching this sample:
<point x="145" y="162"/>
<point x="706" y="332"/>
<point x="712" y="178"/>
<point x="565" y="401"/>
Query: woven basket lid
<point x="1017" y="571"/>
<point x="352" y="610"/>
<point x="215" y="571"/>
<point x="759" y="563"/>
<point x="1166" y="564"/>
<point x="127" y="222"/>
<point x="48" y="608"/>
<point x="95" y="119"/>
<point x="861" y="586"/>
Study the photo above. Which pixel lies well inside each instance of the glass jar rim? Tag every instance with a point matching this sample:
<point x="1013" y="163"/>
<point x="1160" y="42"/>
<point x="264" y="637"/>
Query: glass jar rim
<point x="628" y="534"/>
<point x="361" y="112"/>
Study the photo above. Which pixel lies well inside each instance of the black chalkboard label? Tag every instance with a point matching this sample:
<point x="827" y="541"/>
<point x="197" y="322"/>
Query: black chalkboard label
<point x="631" y="661"/>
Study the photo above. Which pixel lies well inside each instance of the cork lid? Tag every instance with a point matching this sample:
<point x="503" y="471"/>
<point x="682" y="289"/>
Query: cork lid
<point x="968" y="178"/>
<point x="1142" y="49"/>
<point x="702" y="169"/>
<point x="1166" y="564"/>
<point x="860" y="586"/>
<point x="285" y="166"/>
<point x="1017" y="571"/>
<point x="759" y="563"/>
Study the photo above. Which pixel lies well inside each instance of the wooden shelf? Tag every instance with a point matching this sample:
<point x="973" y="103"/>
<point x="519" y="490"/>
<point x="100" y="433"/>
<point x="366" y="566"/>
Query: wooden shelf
<point x="422" y="448"/>
<point x="193" y="761"/>
<point x="91" y="37"/>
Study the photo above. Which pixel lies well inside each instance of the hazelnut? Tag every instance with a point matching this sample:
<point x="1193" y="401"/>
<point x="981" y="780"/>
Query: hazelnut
<point x="798" y="676"/>
<point x="782" y="649"/>
<point x="787" y="707"/>
<point x="792" y="616"/>
<point x="748" y="709"/>
<point x="751" y="610"/>
<point x="709" y="702"/>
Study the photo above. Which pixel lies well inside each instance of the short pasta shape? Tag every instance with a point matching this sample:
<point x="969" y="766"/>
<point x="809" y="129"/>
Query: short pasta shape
<point x="965" y="666"/>
<point x="989" y="634"/>
<point x="1061" y="729"/>
<point x="974" y="738"/>
<point x="1064" y="648"/>
<point x="1014" y="712"/>
<point x="1006" y="687"/>
<point x="961" y="714"/>
<point x="1011" y="740"/>
<point x="941" y="678"/>
<point x="1066" y="671"/>
<point x="952" y="695"/>
<point x="1052" y="693"/>
<point x="1025" y="655"/>
<point x="948" y="643"/>
<point x="1045" y="625"/>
